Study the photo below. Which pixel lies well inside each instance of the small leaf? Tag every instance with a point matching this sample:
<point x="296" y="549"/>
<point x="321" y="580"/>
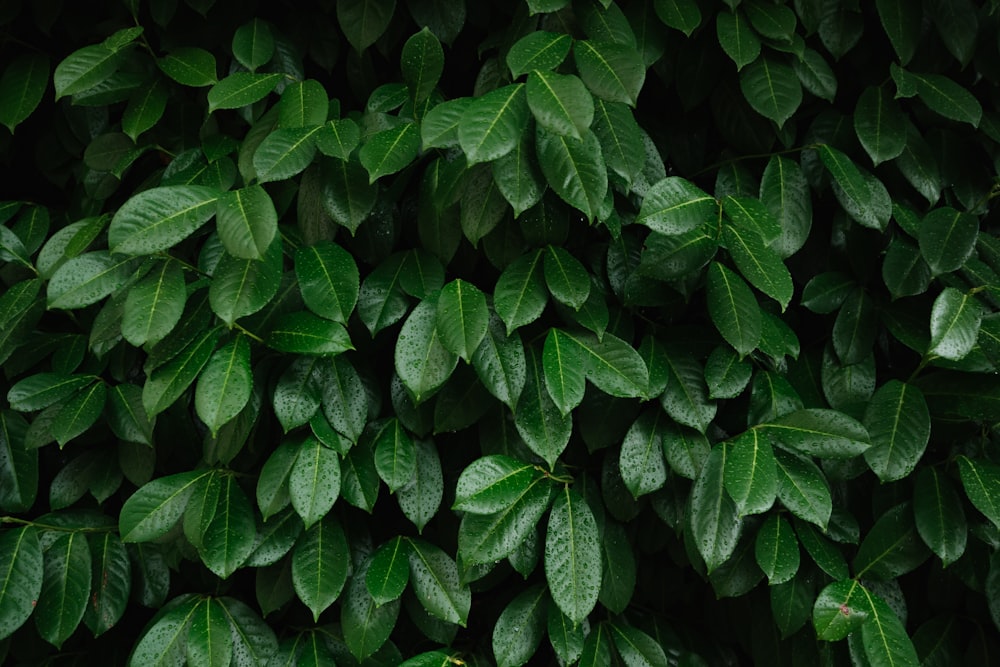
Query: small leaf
<point x="306" y="104"/>
<point x="364" y="21"/>
<point x="634" y="646"/>
<point x="955" y="319"/>
<point x="682" y="15"/>
<point x="899" y="424"/>
<point x="160" y="218"/>
<point x="328" y="280"/>
<point x="544" y="428"/>
<point x="750" y="215"/>
<point x="22" y="87"/>
<point x="320" y="564"/>
<point x="520" y="294"/>
<point x="492" y="125"/>
<point x="439" y="127"/>
<point x="880" y="125"/>
<point x="338" y="138"/>
<point x="519" y="629"/>
<point x="154" y="305"/>
<point x="241" y="89"/>
<point x="538" y="50"/>
<point x="947" y="238"/>
<point x="613" y="72"/>
<point x="562" y="361"/>
<point x="855" y="328"/>
<point x="777" y="550"/>
<point x="285" y="152"/>
<point x="345" y="401"/>
<point x="21" y="578"/>
<point x="750" y="475"/>
<point x="153" y="510"/>
<point x="390" y="151"/>
<point x="423" y="363"/>
<point x="715" y="524"/>
<point x="225" y="385"/>
<point x="302" y="332"/>
<point x="87" y="279"/>
<point x="389" y="571"/>
<point x="674" y="206"/>
<point x="901" y="21"/>
<point x="641" y="462"/>
<point x="253" y="44"/>
<point x="981" y="481"/>
<point x="573" y="556"/>
<point x="241" y="287"/>
<point x="422" y="62"/>
<point x="892" y="547"/>
<point x="462" y="318"/>
<point x="519" y="179"/>
<point x="189" y="66"/>
<point x="247" y="222"/>
<point x="84" y="69"/>
<point x="772" y="89"/>
<point x="734" y="309"/>
<point x="737" y="38"/>
<point x="314" y="481"/>
<point x="759" y="264"/>
<point x="827" y="434"/>
<point x="940" y="519"/>
<point x="66" y="586"/>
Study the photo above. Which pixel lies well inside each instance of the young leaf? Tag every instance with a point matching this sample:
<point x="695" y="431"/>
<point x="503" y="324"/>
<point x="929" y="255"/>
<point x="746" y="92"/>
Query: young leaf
<point x="573" y="556"/>
<point x="733" y="309"/>
<point x="159" y="218"/>
<point x="20" y="578"/>
<point x="899" y="424"/>
<point x="538" y="50"/>
<point x="492" y="124"/>
<point x="772" y="89"/>
<point x="436" y="583"/>
<point x="613" y="72"/>
<point x="940" y="519"/>
<point x="715" y="524"/>
<point x="314" y="481"/>
<point x="22" y="87"/>
<point x="320" y="563"/>
<point x="225" y="385"/>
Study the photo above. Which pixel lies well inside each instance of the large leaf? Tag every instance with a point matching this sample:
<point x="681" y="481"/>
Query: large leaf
<point x="759" y="264"/>
<point x="159" y="218"/>
<point x="284" y="153"/>
<point x="750" y="475"/>
<point x="613" y="72"/>
<point x="20" y="577"/>
<point x="941" y="94"/>
<point x="520" y="627"/>
<point x="518" y="177"/>
<point x="435" y="580"/>
<point x="389" y="571"/>
<point x="85" y="68"/>
<point x="209" y="639"/>
<point x="734" y="309"/>
<point x="395" y="455"/>
<point x="818" y="432"/>
<point x="230" y="535"/>
<point x="66" y="585"/>
<point x="389" y="151"/>
<point x="899" y="424"/>
<point x="574" y="169"/>
<point x="366" y="623"/>
<point x="320" y="563"/>
<point x="422" y="62"/>
<point x="572" y="556"/>
<point x="420" y="500"/>
<point x="784" y="191"/>
<point x="620" y="138"/>
<point x="87" y="279"/>
<point x="492" y="125"/>
<point x="892" y="547"/>
<point x="486" y="538"/>
<point x="328" y="280"/>
<point x="302" y="332"/>
<point x="560" y="103"/>
<point x="225" y="384"/>
<point x="154" y="305"/>
<point x="348" y="196"/>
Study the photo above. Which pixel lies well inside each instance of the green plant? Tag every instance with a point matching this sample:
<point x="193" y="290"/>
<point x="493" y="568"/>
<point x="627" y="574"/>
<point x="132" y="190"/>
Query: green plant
<point x="361" y="332"/>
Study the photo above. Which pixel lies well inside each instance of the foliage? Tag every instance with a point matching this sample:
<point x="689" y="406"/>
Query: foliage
<point x="644" y="332"/>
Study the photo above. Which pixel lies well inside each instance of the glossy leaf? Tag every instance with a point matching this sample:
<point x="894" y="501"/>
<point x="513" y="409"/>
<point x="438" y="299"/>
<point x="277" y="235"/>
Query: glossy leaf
<point x="422" y="62"/>
<point x="364" y="21"/>
<point x="947" y="238"/>
<point x="462" y="318"/>
<point x="737" y="38"/>
<point x="682" y="15"/>
<point x="559" y="102"/>
<point x="21" y="88"/>
<point x="642" y="466"/>
<point x="159" y="218"/>
<point x="486" y="538"/>
<point x="154" y="509"/>
<point x="892" y="547"/>
<point x="980" y="480"/>
<point x="66" y="585"/>
<point x="154" y="306"/>
<point x="209" y="640"/>
<point x="302" y="332"/>
<point x="955" y="319"/>
<point x="715" y="524"/>
<point x="492" y="125"/>
<point x="253" y="44"/>
<point x="685" y="397"/>
<point x="574" y="169"/>
<point x="189" y="66"/>
<point x="539" y="50"/>
<point x="572" y="556"/>
<point x="520" y="295"/>
<point x="86" y="279"/>
<point x="902" y="24"/>
<point x="84" y="68"/>
<point x="759" y="264"/>
<point x="225" y="384"/>
<point x="499" y="362"/>
<point x="777" y="550"/>
<point x="434" y="576"/>
<point x="314" y="481"/>
<point x="240" y="89"/>
<point x="389" y="571"/>
<point x="940" y="519"/>
<point x="899" y="424"/>
<point x="166" y="384"/>
<point x="562" y="362"/>
<point x="613" y="72"/>
<point x="395" y="455"/>
<point x="880" y="125"/>
<point x="20" y="578"/>
<point x="320" y="563"/>
<point x="423" y="363"/>
<point x="390" y="150"/>
<point x="520" y="627"/>
<point x="241" y="287"/>
<point x="734" y="309"/>
<point x="772" y="89"/>
<point x="674" y="206"/>
<point x="750" y="474"/>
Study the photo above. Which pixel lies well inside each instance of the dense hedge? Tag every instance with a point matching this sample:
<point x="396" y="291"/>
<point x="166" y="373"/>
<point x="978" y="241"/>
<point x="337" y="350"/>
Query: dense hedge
<point x="655" y="332"/>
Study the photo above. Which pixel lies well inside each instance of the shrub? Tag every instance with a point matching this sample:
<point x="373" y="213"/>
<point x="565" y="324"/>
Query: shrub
<point x="362" y="332"/>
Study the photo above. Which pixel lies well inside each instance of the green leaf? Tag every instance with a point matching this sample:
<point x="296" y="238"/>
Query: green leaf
<point x="18" y="466"/>
<point x="855" y="328"/>
<point x="422" y="361"/>
<point x="435" y="580"/>
<point x="345" y="403"/>
<point x="841" y="608"/>
<point x="560" y="103"/>
<point x="111" y="568"/>
<point x="348" y="197"/>
<point x="395" y="455"/>
<point x="816" y="75"/>
<point x="390" y="151"/>
<point x="153" y="510"/>
<point x="726" y="374"/>
<point x="241" y="89"/>
<point x="884" y="638"/>
<point x="620" y="138"/>
<point x="573" y="555"/>
<point x="160" y="218"/>
<point x="685" y="449"/>
<point x="247" y="221"/>
<point x="439" y="127"/>
<point x="209" y="640"/>
<point x="562" y="362"/>
<point x="422" y="63"/>
<point x="683" y="15"/>
<point x="520" y="627"/>
<point x="775" y="22"/>
<point x="306" y="104"/>
<point x="685" y="397"/>
<point x="772" y="89"/>
<point x="940" y="519"/>
<point x="320" y="564"/>
<point x="677" y="256"/>
<point x="230" y="535"/>
<point x="947" y="238"/>
<point x="737" y="38"/>
<point x="389" y="571"/>
<point x="955" y="319"/>
<point x="366" y="624"/>
<point x="544" y="428"/>
<point x="892" y="547"/>
<point x="566" y="277"/>
<point x="41" y="390"/>
<point x="20" y="577"/>
<point x="715" y="524"/>
<point x="904" y="271"/>
<point x="636" y="647"/>
<point x="901" y="21"/>
<point x="285" y="152"/>
<point x="492" y="125"/>
<point x="241" y="287"/>
<point x="154" y="305"/>
<point x="944" y="96"/>
<point x="597" y="647"/>
<point x="499" y="362"/>
<point x="823" y="552"/>
<point x="539" y="50"/>
<point x="21" y="88"/>
<point x="65" y="587"/>
<point x="493" y="483"/>
<point x="612" y="365"/>
<point x="165" y="640"/>
<point x="574" y="169"/>
<point x="462" y="318"/>
<point x="272" y="484"/>
<point x="818" y="432"/>
<point x="777" y="550"/>
<point x="87" y="279"/>
<point x="225" y="384"/>
<point x="520" y="294"/>
<point x="880" y="124"/>
<point x="641" y="462"/>
<point x="84" y="69"/>
<point x="733" y="309"/>
<point x="613" y="72"/>
<point x="364" y="21"/>
<point x="674" y="206"/>
<point x="328" y="280"/>
<point x="981" y="481"/>
<point x="166" y="384"/>
<point x="565" y="636"/>
<point x="80" y="412"/>
<point x="899" y="424"/>
<point x="488" y="537"/>
<point x="338" y="138"/>
<point x="518" y="177"/>
<point x="314" y="481"/>
<point x="302" y="332"/>
<point x="862" y="195"/>
<point x="253" y="44"/>
<point x="751" y="475"/>
<point x="759" y="264"/>
<point x="189" y="66"/>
